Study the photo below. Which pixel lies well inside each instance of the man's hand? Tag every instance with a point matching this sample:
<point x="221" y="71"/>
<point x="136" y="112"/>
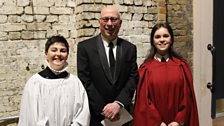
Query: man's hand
<point x="111" y="111"/>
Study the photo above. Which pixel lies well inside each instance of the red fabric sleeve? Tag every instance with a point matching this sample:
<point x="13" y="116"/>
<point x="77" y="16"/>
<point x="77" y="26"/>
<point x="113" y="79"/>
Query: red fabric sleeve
<point x="183" y="107"/>
<point x="193" y="113"/>
<point x="145" y="114"/>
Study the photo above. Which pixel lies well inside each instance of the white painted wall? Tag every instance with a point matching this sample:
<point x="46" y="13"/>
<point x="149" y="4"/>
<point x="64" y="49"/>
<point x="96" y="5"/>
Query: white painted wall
<point x="202" y="58"/>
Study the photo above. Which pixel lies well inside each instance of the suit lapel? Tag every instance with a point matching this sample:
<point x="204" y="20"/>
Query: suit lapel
<point x="103" y="58"/>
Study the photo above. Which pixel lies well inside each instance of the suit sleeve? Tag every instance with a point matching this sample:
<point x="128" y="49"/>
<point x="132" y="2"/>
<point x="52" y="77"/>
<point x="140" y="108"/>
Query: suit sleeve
<point x="126" y="94"/>
<point x="95" y="99"/>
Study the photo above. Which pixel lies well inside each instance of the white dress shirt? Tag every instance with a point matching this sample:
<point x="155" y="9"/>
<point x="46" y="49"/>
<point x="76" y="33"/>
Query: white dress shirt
<point x="158" y="57"/>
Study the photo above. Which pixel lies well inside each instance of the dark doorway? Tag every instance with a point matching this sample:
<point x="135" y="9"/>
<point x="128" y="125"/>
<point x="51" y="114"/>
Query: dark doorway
<point x="218" y="60"/>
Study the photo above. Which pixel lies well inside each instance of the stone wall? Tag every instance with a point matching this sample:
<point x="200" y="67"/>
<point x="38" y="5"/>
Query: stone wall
<point x="180" y="16"/>
<point x="25" y="25"/>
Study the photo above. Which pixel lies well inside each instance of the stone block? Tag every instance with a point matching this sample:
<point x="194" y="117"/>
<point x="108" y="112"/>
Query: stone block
<point x="141" y="9"/>
<point x="43" y="3"/>
<point x="85" y="32"/>
<point x="3" y="19"/>
<point x="61" y="10"/>
<point x="27" y="18"/>
<point x="129" y="2"/>
<point x="14" y="35"/>
<point x="10" y="2"/>
<point x="126" y="16"/>
<point x="64" y="33"/>
<point x="138" y="31"/>
<point x="3" y="36"/>
<point x="81" y="24"/>
<point x="11" y="10"/>
<point x="12" y="27"/>
<point x="64" y="19"/>
<point x="152" y="10"/>
<point x="73" y="33"/>
<point x="172" y="1"/>
<point x="138" y="2"/>
<point x="28" y="10"/>
<point x="51" y="32"/>
<point x="137" y="17"/>
<point x="148" y="17"/>
<point x="23" y="3"/>
<point x="60" y="26"/>
<point x="41" y="10"/>
<point x="52" y="18"/>
<point x="40" y="18"/>
<point x="94" y="23"/>
<point x="139" y="24"/>
<point x="38" y="26"/>
<point x="123" y="8"/>
<point x="60" y="3"/>
<point x="71" y="3"/>
<point x="88" y="8"/>
<point x="84" y="16"/>
<point x="14" y="19"/>
<point x="39" y="34"/>
<point x="97" y="1"/>
<point x="107" y="1"/>
<point x="38" y="10"/>
<point x="143" y="49"/>
<point x="27" y="35"/>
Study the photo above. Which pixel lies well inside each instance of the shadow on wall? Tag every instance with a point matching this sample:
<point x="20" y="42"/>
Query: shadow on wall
<point x="13" y="121"/>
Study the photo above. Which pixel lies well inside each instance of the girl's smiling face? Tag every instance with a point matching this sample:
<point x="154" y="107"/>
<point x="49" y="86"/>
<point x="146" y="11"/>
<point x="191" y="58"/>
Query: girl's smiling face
<point x="162" y="41"/>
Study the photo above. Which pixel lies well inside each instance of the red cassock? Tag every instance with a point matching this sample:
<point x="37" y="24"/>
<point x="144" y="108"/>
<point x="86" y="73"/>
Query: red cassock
<point x="165" y="93"/>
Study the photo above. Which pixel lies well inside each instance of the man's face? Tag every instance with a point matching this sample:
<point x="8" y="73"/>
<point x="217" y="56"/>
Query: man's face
<point x="110" y="23"/>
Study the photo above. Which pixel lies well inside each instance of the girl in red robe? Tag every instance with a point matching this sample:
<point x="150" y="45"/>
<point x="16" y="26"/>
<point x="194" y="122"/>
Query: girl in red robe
<point x="165" y="94"/>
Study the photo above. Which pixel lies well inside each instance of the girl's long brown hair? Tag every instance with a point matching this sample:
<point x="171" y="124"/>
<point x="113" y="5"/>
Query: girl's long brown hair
<point x="153" y="50"/>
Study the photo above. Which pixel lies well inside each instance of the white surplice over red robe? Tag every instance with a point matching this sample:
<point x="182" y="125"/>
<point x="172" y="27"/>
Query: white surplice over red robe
<point x="165" y="93"/>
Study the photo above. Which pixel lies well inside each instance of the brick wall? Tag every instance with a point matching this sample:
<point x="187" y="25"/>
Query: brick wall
<point x="180" y="16"/>
<point x="25" y="25"/>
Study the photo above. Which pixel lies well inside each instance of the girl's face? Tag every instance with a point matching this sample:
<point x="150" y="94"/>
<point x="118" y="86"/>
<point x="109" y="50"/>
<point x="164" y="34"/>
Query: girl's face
<point x="162" y="41"/>
<point x="57" y="56"/>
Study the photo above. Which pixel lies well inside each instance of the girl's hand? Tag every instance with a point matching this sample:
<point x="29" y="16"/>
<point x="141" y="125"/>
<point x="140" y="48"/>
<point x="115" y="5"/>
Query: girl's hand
<point x="174" y="124"/>
<point x="163" y="124"/>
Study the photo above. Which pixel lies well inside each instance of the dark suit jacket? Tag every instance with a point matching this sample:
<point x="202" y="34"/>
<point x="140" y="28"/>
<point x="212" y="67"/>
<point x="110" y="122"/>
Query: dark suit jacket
<point x="94" y="72"/>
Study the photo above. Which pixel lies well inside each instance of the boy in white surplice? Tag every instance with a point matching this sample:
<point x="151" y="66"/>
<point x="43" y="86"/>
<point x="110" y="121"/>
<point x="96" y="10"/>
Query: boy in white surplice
<point x="54" y="97"/>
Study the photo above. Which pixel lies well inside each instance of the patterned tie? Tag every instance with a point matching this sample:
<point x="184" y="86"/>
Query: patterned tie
<point x="111" y="58"/>
<point x="163" y="59"/>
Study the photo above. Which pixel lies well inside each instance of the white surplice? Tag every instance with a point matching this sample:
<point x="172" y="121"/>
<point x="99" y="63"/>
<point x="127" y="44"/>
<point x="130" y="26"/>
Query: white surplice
<point x="54" y="102"/>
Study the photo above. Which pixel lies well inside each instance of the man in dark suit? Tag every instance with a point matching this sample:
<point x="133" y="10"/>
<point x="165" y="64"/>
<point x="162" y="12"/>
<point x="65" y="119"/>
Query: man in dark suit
<point x="109" y="74"/>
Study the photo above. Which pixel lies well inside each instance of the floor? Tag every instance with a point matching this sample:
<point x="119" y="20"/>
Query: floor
<point x="218" y="121"/>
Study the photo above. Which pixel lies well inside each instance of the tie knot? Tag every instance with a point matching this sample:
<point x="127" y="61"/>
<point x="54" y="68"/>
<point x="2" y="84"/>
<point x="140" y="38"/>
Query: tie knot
<point x="163" y="59"/>
<point x="111" y="45"/>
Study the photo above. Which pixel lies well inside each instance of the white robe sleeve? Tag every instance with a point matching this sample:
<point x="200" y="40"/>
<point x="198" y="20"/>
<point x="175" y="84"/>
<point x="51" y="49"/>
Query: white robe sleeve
<point x="82" y="116"/>
<point x="26" y="118"/>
